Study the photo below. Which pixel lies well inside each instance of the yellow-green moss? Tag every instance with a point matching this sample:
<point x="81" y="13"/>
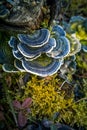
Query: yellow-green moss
<point x="81" y="60"/>
<point x="46" y="95"/>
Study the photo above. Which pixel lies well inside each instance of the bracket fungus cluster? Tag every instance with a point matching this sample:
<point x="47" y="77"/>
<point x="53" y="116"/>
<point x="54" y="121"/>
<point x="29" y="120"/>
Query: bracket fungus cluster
<point x="40" y="53"/>
<point x="77" y="30"/>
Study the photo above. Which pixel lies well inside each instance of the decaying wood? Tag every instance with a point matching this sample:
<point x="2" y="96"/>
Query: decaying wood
<point x="27" y="15"/>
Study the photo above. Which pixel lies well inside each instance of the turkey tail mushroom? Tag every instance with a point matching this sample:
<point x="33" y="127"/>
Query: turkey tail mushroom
<point x="38" y="53"/>
<point x="38" y="39"/>
<point x="42" y="70"/>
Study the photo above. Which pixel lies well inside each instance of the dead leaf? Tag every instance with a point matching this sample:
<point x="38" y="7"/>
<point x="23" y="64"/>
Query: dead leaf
<point x="17" y="104"/>
<point x="22" y="120"/>
<point x="26" y="103"/>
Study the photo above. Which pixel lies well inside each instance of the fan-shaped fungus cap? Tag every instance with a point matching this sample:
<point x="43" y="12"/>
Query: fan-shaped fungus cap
<point x="31" y="52"/>
<point x="40" y="69"/>
<point x="84" y="48"/>
<point x="18" y="65"/>
<point x="17" y="54"/>
<point x="9" y="68"/>
<point x="62" y="48"/>
<point x="3" y="11"/>
<point x="13" y="44"/>
<point x="76" y="19"/>
<point x="38" y="39"/>
<point x="58" y="30"/>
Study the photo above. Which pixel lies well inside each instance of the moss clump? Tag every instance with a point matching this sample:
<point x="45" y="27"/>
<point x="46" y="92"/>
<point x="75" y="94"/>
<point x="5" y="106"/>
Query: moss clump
<point x="48" y="98"/>
<point x="46" y="95"/>
<point x="81" y="60"/>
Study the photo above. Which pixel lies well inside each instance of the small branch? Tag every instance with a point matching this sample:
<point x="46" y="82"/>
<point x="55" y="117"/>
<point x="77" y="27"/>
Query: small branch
<point x="81" y="76"/>
<point x="63" y="84"/>
<point x="33" y="121"/>
<point x="81" y="100"/>
<point x="69" y="2"/>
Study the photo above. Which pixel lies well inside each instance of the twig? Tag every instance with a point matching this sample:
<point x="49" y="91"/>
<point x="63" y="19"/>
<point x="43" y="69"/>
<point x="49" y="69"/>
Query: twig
<point x="63" y="84"/>
<point x="69" y="2"/>
<point x="32" y="121"/>
<point x="82" y="76"/>
<point x="81" y="100"/>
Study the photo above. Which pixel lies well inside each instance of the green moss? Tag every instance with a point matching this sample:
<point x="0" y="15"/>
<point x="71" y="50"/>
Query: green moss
<point x="46" y="95"/>
<point x="81" y="60"/>
<point x="78" y="7"/>
<point x="44" y="60"/>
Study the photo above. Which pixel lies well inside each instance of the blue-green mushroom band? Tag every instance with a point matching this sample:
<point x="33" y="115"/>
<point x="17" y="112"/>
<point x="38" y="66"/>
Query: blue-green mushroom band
<point x="39" y="38"/>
